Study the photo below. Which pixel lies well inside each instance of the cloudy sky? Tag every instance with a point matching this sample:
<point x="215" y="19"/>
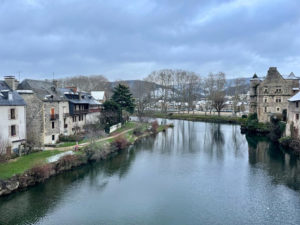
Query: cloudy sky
<point x="129" y="39"/>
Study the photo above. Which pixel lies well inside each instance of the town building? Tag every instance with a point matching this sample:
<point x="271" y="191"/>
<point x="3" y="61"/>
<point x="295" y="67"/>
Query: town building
<point x="13" y="117"/>
<point x="269" y="96"/>
<point x="293" y="118"/>
<point x="54" y="111"/>
<point x="47" y="112"/>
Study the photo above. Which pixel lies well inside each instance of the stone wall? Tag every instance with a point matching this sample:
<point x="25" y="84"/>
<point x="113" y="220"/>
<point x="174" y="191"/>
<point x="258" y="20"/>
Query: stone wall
<point x="34" y="119"/>
<point x="270" y="96"/>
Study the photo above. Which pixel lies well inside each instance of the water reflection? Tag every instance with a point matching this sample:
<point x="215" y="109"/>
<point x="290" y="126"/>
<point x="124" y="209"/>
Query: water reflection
<point x="191" y="148"/>
<point x="282" y="167"/>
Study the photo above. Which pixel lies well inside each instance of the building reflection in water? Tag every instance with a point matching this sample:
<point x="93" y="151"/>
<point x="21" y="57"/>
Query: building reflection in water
<point x="282" y="167"/>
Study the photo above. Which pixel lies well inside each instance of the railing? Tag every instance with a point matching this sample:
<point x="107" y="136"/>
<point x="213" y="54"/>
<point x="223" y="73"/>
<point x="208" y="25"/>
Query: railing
<point x="54" y="116"/>
<point x="83" y="111"/>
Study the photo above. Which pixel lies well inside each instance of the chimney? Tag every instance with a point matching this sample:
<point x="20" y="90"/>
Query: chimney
<point x="11" y="82"/>
<point x="74" y="89"/>
<point x="55" y="83"/>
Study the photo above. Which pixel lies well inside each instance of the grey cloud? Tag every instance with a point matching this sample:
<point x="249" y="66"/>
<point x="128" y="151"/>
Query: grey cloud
<point x="130" y="39"/>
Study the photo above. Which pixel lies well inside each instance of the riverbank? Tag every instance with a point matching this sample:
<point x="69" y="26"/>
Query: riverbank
<point x="197" y="117"/>
<point x="36" y="169"/>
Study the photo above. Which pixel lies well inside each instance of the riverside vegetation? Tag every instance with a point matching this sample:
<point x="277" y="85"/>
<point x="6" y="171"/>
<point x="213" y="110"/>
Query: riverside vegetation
<point x="32" y="169"/>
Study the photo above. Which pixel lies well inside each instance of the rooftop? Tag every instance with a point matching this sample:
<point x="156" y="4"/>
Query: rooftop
<point x="5" y="100"/>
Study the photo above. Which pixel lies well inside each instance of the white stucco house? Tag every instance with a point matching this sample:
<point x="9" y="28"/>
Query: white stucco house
<point x="12" y="117"/>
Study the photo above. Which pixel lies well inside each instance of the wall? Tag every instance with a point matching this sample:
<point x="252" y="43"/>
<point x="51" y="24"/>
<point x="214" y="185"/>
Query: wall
<point x="34" y="119"/>
<point x="292" y="122"/>
<point x="6" y="122"/>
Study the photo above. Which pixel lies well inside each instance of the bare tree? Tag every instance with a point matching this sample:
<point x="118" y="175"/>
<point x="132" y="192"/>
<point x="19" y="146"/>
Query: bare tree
<point x="164" y="78"/>
<point x="238" y="88"/>
<point x="86" y="83"/>
<point x="216" y="90"/>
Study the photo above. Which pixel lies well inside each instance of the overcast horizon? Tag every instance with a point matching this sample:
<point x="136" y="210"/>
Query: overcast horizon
<point x="77" y="37"/>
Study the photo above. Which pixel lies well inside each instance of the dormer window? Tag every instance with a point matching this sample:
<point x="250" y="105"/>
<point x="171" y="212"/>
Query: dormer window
<point x="278" y="90"/>
<point x="266" y="90"/>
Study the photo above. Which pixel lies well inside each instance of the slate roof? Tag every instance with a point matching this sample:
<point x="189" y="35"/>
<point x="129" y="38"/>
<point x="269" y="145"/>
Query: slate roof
<point x="17" y="100"/>
<point x="295" y="98"/>
<point x="44" y="90"/>
<point x="86" y="98"/>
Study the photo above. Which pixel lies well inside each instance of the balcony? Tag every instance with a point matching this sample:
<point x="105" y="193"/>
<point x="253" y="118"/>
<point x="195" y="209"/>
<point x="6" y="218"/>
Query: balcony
<point x="54" y="116"/>
<point x="82" y="111"/>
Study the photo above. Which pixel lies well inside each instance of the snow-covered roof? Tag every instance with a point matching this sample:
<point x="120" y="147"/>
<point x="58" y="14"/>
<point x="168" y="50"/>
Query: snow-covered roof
<point x="295" y="98"/>
<point x="98" y="95"/>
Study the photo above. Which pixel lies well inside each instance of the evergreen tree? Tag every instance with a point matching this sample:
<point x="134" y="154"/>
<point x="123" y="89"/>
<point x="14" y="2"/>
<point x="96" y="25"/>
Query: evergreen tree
<point x="111" y="113"/>
<point x="123" y="97"/>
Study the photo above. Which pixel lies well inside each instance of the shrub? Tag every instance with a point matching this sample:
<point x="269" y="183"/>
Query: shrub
<point x="154" y="126"/>
<point x="70" y="138"/>
<point x="68" y="161"/>
<point x="252" y="116"/>
<point x="244" y="116"/>
<point x="120" y="142"/>
<point x="285" y="141"/>
<point x="42" y="172"/>
<point x="138" y="131"/>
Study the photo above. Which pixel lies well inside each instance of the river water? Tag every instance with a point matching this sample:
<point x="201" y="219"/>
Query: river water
<point x="195" y="173"/>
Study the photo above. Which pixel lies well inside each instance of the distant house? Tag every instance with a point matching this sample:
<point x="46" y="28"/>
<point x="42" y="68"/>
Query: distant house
<point x="269" y="96"/>
<point x="99" y="96"/>
<point x="12" y="117"/>
<point x="293" y="118"/>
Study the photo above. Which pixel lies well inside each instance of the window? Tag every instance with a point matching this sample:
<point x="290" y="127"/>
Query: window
<point x="266" y="90"/>
<point x="266" y="109"/>
<point x="266" y="100"/>
<point x="12" y="114"/>
<point x="13" y="130"/>
<point x="278" y="90"/>
<point x="297" y="104"/>
<point x="53" y="125"/>
<point x="278" y="99"/>
<point x="53" y="137"/>
<point x="297" y="116"/>
<point x="278" y="109"/>
<point x="74" y="118"/>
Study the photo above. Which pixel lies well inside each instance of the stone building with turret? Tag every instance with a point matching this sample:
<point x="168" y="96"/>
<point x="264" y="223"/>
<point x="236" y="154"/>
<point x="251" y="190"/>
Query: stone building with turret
<point x="269" y="95"/>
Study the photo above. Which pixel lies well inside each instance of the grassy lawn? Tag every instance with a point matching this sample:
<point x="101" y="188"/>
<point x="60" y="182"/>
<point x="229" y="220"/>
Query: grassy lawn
<point x="204" y="118"/>
<point x="126" y="126"/>
<point x="70" y="143"/>
<point x="23" y="163"/>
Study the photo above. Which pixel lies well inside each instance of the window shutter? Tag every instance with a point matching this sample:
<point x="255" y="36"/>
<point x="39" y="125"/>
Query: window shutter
<point x="9" y="131"/>
<point x="16" y="113"/>
<point x="9" y="117"/>
<point x="17" y="130"/>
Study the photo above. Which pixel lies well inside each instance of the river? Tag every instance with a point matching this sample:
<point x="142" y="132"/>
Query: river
<point x="195" y="173"/>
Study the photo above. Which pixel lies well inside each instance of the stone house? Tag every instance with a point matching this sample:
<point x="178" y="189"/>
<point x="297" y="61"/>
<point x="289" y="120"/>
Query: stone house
<point x="269" y="96"/>
<point x="293" y="118"/>
<point x="47" y="112"/>
<point x="12" y="117"/>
